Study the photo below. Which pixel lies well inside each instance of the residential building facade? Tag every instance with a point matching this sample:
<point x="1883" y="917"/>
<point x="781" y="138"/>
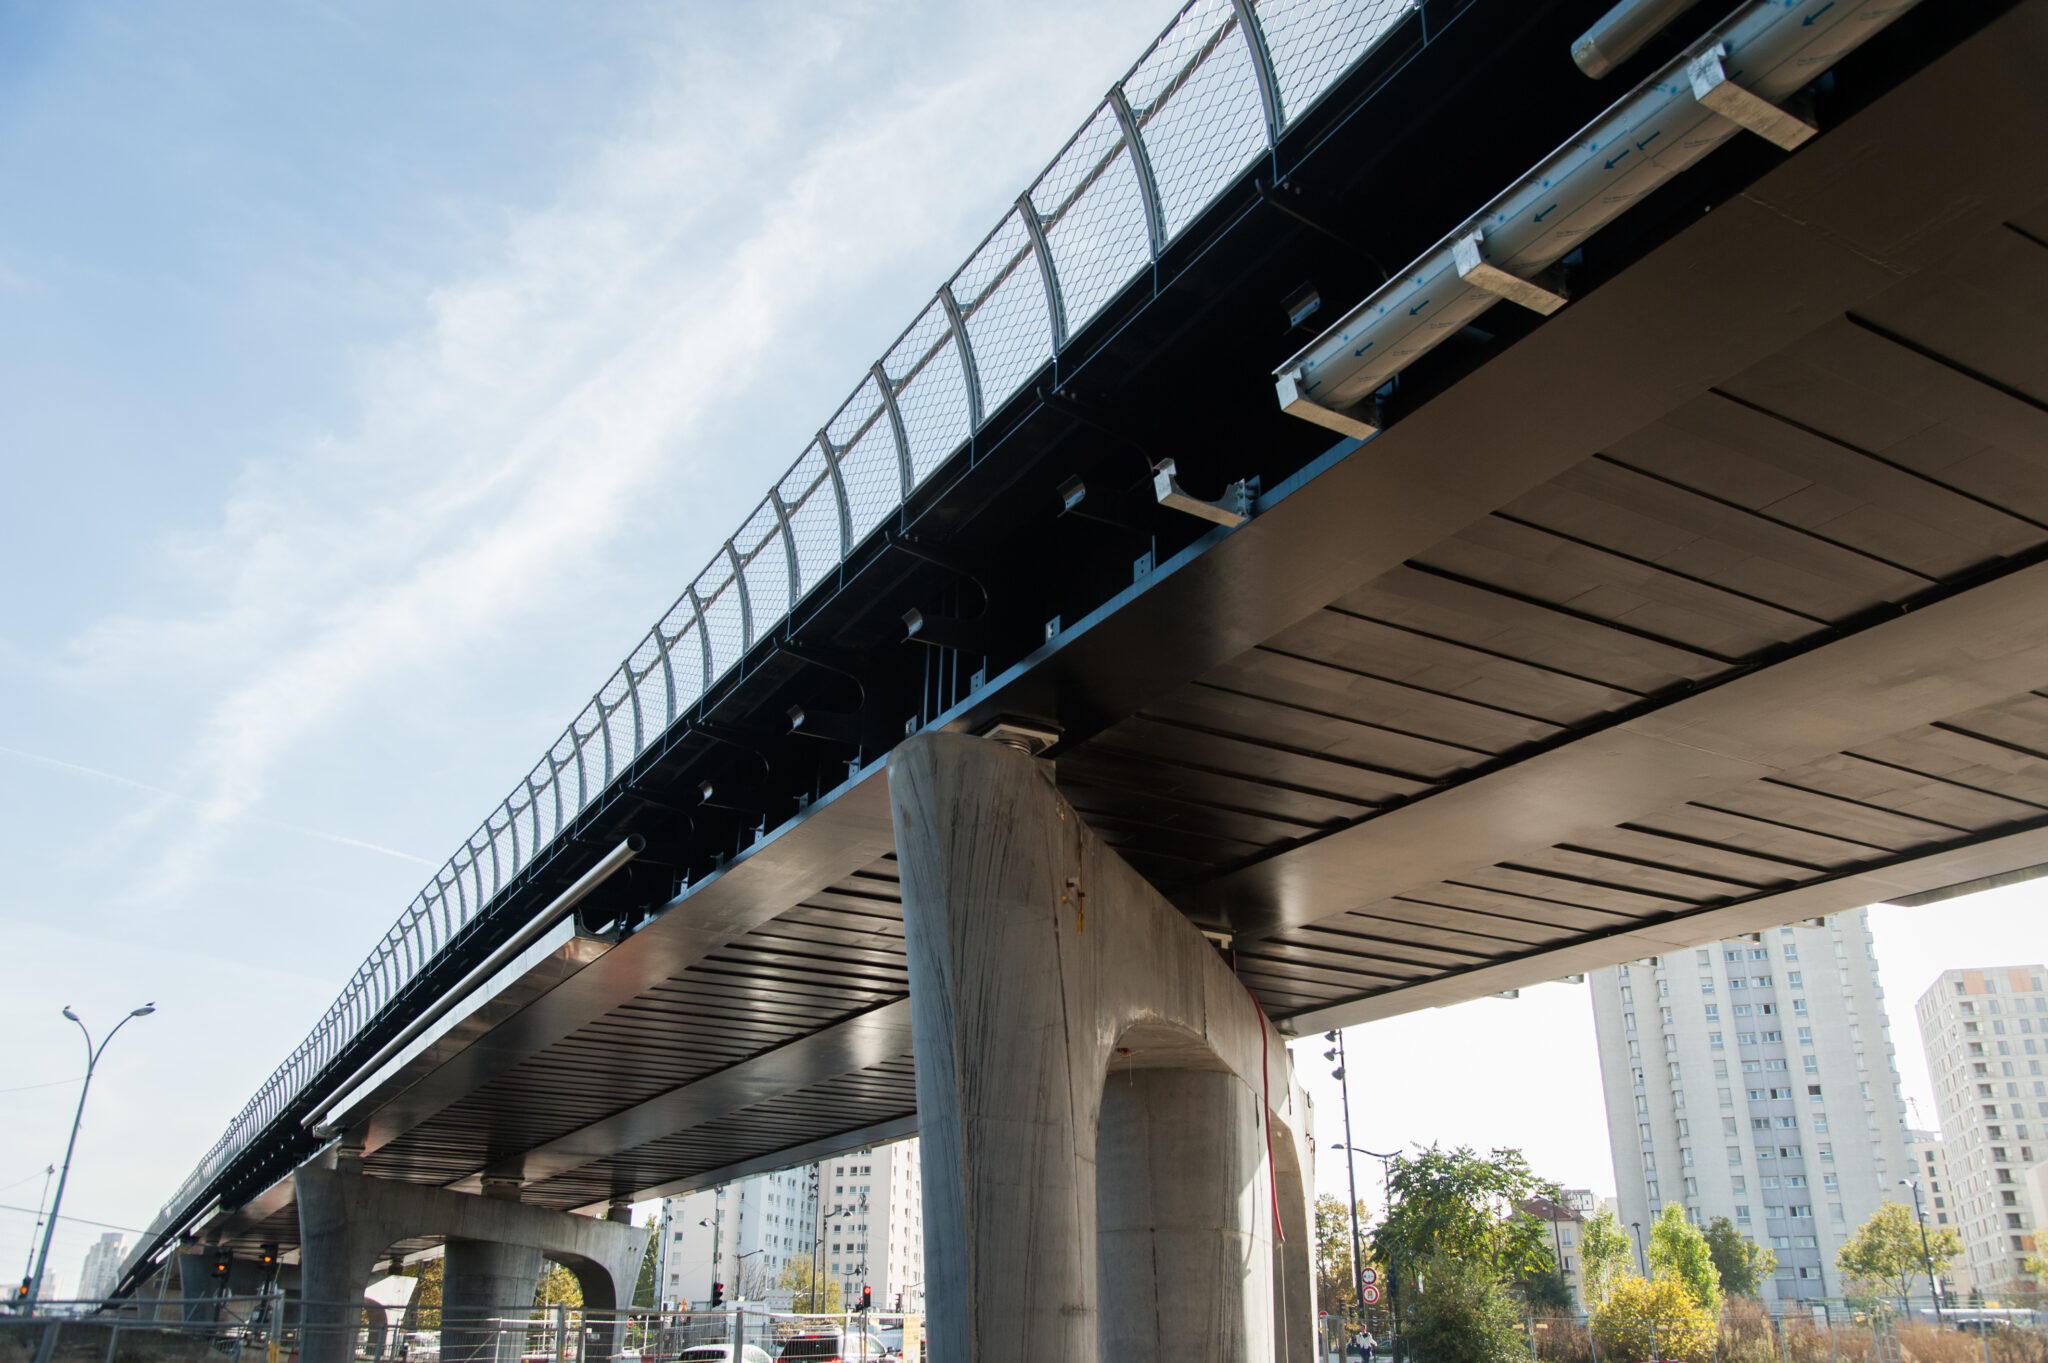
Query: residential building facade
<point x="858" y="1218"/>
<point x="1986" y="1036"/>
<point x="1565" y="1222"/>
<point x="1937" y="1198"/>
<point x="1755" y="1079"/>
<point x="739" y="1237"/>
<point x="102" y="1268"/>
<point x="872" y="1224"/>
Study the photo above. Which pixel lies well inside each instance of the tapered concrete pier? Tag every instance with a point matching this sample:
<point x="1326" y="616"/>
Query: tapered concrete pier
<point x="1102" y="1103"/>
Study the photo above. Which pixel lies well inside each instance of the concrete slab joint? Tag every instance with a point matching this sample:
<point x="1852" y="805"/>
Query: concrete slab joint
<point x="1117" y="1161"/>
<point x="495" y="1249"/>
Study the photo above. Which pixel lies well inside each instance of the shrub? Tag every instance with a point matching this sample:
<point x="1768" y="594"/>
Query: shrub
<point x="1464" y="1314"/>
<point x="1644" y="1320"/>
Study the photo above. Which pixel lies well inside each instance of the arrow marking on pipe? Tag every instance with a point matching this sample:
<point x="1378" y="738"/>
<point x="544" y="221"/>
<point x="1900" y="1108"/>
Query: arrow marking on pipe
<point x="1657" y="134"/>
<point x="1807" y="22"/>
<point x="1362" y="349"/>
<point x="1545" y="213"/>
<point x="1617" y="160"/>
<point x="1418" y="307"/>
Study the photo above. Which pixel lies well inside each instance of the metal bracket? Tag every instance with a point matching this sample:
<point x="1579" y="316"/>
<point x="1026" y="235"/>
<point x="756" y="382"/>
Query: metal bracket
<point x="833" y="726"/>
<point x="944" y="631"/>
<point x="1469" y="252"/>
<point x="1714" y="90"/>
<point x="1361" y="423"/>
<point x="1233" y="508"/>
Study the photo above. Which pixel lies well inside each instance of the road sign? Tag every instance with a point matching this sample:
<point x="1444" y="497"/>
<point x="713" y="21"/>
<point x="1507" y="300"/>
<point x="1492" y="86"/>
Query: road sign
<point x="1372" y="1294"/>
<point x="1368" y="1275"/>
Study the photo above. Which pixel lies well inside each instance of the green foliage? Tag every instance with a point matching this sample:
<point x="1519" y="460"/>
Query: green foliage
<point x="426" y="1298"/>
<point x="1335" y="1288"/>
<point x="557" y="1287"/>
<point x="1547" y="1289"/>
<point x="1464" y="1315"/>
<point x="1453" y="1203"/>
<point x="1678" y="1251"/>
<point x="1743" y="1265"/>
<point x="1886" y="1254"/>
<point x="1641" y="1320"/>
<point x="1604" y="1254"/>
<point x="796" y="1276"/>
<point x="643" y="1286"/>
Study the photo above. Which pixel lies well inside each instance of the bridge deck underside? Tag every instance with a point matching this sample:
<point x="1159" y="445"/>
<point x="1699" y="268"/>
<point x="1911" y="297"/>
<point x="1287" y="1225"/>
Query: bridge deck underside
<point x="1781" y="634"/>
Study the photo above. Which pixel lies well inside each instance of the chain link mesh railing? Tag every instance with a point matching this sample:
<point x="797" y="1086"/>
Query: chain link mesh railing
<point x="1225" y="79"/>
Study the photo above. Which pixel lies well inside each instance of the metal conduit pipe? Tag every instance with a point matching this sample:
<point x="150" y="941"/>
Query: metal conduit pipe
<point x="1728" y="83"/>
<point x="1621" y="32"/>
<point x="538" y="924"/>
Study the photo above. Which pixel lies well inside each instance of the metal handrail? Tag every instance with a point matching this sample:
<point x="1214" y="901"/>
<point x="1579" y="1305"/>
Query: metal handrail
<point x="1094" y="228"/>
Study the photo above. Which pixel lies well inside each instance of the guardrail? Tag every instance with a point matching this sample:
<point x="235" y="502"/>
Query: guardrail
<point x="1214" y="92"/>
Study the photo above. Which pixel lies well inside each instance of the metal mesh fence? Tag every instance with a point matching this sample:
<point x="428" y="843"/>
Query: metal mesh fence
<point x="1090" y="224"/>
<point x="277" y="1329"/>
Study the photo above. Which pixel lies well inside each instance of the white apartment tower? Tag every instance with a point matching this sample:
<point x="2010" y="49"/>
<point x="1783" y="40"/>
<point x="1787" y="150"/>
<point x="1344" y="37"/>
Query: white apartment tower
<point x="1986" y="1034"/>
<point x="858" y="1216"/>
<point x="1938" y="1201"/>
<point x="102" y="1268"/>
<point x="740" y="1235"/>
<point x="1754" y="1079"/>
<point x="872" y="1226"/>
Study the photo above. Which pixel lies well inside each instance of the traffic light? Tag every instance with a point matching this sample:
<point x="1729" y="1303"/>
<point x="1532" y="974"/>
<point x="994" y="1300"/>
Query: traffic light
<point x="717" y="1295"/>
<point x="867" y="1299"/>
<point x="218" y="1262"/>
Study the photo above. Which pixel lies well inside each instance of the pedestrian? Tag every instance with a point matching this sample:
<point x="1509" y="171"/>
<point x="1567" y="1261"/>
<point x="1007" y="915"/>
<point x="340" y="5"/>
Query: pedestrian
<point x="1368" y="1345"/>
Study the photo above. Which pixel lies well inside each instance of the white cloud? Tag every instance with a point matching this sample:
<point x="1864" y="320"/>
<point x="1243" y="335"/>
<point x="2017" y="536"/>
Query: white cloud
<point x="501" y="449"/>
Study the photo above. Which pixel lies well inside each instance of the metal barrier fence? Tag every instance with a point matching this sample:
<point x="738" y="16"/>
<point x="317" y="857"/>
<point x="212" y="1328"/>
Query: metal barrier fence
<point x="275" y="1329"/>
<point x="1836" y="1330"/>
<point x="1215" y="91"/>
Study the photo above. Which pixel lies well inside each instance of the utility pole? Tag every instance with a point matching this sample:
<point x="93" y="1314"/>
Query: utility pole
<point x="28" y="1265"/>
<point x="1336" y="1053"/>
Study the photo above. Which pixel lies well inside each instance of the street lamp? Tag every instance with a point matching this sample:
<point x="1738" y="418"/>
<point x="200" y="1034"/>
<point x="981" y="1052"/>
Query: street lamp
<point x="1642" y="1265"/>
<point x="1926" y="1254"/>
<point x="92" y="1060"/>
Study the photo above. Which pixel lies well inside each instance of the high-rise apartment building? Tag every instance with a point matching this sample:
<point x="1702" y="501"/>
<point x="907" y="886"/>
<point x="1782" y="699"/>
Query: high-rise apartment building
<point x="857" y="1217"/>
<point x="872" y="1225"/>
<point x="102" y="1268"/>
<point x="1986" y="1034"/>
<point x="740" y="1235"/>
<point x="1937" y="1197"/>
<point x="1754" y="1079"/>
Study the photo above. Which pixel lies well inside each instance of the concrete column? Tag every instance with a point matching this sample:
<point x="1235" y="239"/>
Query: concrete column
<point x="1183" y="1219"/>
<point x="484" y="1284"/>
<point x="348" y="1221"/>
<point x="1040" y="964"/>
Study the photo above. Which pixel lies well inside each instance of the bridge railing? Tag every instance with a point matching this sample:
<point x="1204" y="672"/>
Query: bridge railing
<point x="1214" y="92"/>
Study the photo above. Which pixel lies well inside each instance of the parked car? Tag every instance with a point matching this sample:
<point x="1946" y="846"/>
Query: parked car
<point x="833" y="1347"/>
<point x="722" y="1353"/>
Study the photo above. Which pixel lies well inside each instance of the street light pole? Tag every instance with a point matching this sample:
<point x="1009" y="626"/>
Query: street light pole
<point x="1642" y="1264"/>
<point x="92" y="1060"/>
<point x="1926" y="1254"/>
<point x="1350" y="1169"/>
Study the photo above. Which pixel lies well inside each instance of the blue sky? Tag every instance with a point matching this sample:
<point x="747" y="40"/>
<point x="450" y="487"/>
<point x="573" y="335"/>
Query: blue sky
<point x="371" y="376"/>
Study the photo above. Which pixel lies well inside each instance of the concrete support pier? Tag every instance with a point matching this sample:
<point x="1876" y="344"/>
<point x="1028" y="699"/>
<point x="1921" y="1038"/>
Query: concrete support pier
<point x="348" y="1222"/>
<point x="1103" y="1106"/>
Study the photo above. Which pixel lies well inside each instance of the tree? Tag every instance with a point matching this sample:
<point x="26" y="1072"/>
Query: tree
<point x="650" y="1264"/>
<point x="426" y="1298"/>
<point x="1678" y="1251"/>
<point x="1452" y="1203"/>
<point x="1743" y="1265"/>
<point x="2036" y="1266"/>
<point x="1643" y="1320"/>
<point x="796" y="1276"/>
<point x="557" y="1287"/>
<point x="1463" y="1314"/>
<point x="1604" y="1254"/>
<point x="1335" y="1288"/>
<point x="1547" y="1289"/>
<point x="1886" y="1251"/>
